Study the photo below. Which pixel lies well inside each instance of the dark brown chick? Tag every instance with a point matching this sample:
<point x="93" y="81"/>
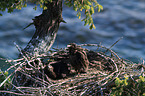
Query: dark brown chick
<point x="78" y="58"/>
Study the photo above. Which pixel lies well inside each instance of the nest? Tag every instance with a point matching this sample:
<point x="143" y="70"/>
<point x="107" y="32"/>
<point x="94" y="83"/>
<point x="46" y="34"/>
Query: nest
<point x="54" y="73"/>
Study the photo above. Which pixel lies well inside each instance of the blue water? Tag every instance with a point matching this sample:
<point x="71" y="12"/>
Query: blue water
<point x="120" y="18"/>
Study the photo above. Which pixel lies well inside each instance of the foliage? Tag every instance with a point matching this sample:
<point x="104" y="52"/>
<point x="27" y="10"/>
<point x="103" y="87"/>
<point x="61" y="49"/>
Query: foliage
<point x="129" y="87"/>
<point x="88" y="6"/>
<point x="3" y="76"/>
<point x="78" y="5"/>
<point x="10" y="5"/>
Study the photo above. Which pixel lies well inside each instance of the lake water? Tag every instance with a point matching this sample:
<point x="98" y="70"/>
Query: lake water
<point x="120" y="18"/>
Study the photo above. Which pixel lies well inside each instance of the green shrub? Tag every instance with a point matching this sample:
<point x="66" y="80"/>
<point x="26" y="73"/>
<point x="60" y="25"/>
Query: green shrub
<point x="129" y="87"/>
<point x="3" y="77"/>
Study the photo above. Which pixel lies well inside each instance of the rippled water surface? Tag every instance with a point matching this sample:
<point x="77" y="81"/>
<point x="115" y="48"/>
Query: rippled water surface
<point x="120" y="18"/>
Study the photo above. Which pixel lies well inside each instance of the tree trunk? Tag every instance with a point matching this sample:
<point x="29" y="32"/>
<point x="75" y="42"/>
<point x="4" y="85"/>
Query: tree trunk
<point x="46" y="25"/>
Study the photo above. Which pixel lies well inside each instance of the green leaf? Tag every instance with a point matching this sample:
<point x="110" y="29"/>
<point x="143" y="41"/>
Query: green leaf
<point x="92" y="26"/>
<point x="6" y="73"/>
<point x="92" y="10"/>
<point x="100" y="7"/>
<point x="44" y="8"/>
<point x="25" y="5"/>
<point x="41" y="1"/>
<point x="75" y="8"/>
<point x="87" y="7"/>
<point x="84" y="19"/>
<point x="86" y="22"/>
<point x="90" y="21"/>
<point x="35" y="8"/>
<point x="50" y="0"/>
<point x="89" y="3"/>
<point x="79" y="15"/>
<point x="41" y="5"/>
<point x="142" y="78"/>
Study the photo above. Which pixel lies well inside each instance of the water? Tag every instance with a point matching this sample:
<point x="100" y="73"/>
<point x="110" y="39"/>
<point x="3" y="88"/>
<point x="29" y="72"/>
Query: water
<point x="120" y="18"/>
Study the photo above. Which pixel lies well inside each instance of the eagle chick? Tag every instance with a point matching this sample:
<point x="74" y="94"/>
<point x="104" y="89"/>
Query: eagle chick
<point x="78" y="58"/>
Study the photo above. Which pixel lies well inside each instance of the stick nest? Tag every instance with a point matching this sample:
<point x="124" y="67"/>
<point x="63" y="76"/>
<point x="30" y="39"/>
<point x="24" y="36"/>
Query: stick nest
<point x="53" y="74"/>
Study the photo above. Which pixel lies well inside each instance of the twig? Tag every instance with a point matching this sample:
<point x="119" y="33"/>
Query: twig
<point x="16" y="93"/>
<point x="114" y="44"/>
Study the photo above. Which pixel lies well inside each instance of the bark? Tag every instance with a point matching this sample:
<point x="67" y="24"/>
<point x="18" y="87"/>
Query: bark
<point x="46" y="25"/>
